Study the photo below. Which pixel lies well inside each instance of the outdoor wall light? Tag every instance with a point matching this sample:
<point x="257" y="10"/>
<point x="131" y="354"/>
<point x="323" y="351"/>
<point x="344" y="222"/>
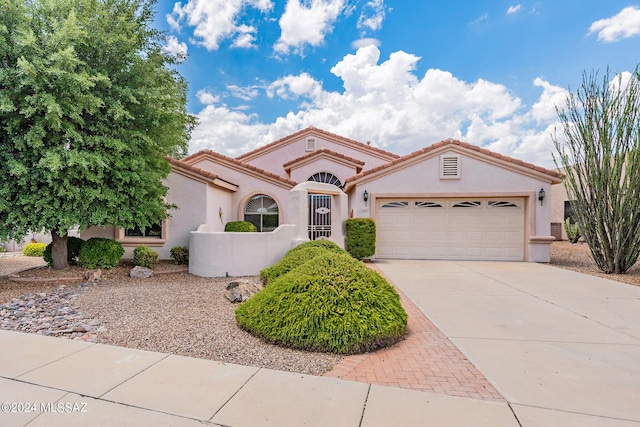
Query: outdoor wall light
<point x="541" y="195"/>
<point x="365" y="196"/>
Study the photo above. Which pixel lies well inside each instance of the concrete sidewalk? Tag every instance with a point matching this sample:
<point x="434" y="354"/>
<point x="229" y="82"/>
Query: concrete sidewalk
<point x="562" y="347"/>
<point x="57" y="382"/>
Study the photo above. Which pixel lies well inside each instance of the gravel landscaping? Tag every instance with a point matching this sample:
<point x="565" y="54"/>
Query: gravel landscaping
<point x="173" y="313"/>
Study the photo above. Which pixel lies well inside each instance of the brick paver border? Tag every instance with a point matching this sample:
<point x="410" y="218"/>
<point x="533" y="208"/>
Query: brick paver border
<point x="425" y="360"/>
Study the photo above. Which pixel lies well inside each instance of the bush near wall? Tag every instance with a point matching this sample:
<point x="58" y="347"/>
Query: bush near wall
<point x="144" y="257"/>
<point x="34" y="249"/>
<point x="360" y="240"/>
<point x="180" y="254"/>
<point x="99" y="252"/>
<point x="74" y="244"/>
<point x="332" y="303"/>
<point x="240" y="226"/>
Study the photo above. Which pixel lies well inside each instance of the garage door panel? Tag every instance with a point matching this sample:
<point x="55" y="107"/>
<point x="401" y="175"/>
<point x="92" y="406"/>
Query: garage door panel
<point x="489" y="229"/>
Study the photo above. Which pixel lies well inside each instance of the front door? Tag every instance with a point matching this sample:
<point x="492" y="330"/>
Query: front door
<point x="319" y="216"/>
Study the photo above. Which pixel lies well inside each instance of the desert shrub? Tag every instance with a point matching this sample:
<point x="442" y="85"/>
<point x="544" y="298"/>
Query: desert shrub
<point x="332" y="303"/>
<point x="180" y="254"/>
<point x="34" y="249"/>
<point x="327" y="244"/>
<point x="573" y="230"/>
<point x="360" y="240"/>
<point x="99" y="252"/>
<point x="297" y="256"/>
<point x="290" y="261"/>
<point x="144" y="257"/>
<point x="74" y="244"/>
<point x="240" y="226"/>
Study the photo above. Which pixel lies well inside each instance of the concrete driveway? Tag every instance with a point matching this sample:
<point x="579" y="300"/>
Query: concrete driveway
<point x="562" y="347"/>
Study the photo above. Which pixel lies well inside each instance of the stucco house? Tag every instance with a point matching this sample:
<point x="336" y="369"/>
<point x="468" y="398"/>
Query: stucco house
<point x="450" y="200"/>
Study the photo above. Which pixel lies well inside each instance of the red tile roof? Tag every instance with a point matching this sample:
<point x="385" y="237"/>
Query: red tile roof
<point x="321" y="151"/>
<point x="450" y="141"/>
<point x="244" y="165"/>
<point x="312" y="129"/>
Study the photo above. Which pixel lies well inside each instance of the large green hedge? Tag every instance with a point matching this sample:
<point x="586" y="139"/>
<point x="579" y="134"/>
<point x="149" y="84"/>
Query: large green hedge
<point x="360" y="240"/>
<point x="297" y="256"/>
<point x="331" y="303"/>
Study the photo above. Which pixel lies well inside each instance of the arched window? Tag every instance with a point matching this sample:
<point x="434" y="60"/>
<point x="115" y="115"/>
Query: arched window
<point x="262" y="211"/>
<point x="326" y="177"/>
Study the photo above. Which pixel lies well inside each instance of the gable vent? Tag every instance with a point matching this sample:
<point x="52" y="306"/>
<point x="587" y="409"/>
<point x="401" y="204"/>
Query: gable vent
<point x="311" y="144"/>
<point x="449" y="166"/>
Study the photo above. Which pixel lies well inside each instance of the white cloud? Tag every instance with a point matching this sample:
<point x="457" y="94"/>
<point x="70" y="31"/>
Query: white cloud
<point x="175" y="48"/>
<point x="388" y="104"/>
<point x="514" y="9"/>
<point x="307" y="23"/>
<point x="372" y="16"/>
<point x="216" y="20"/>
<point x="292" y="87"/>
<point x="357" y="44"/>
<point x="621" y="26"/>
<point x="206" y="97"/>
<point x="244" y="93"/>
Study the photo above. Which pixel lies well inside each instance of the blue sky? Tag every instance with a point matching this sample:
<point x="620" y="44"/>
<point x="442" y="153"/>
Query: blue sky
<point x="401" y="74"/>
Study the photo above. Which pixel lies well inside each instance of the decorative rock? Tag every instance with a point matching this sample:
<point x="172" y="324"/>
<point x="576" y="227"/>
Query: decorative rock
<point x="93" y="276"/>
<point x="138" y="272"/>
<point x="51" y="314"/>
<point x="239" y="291"/>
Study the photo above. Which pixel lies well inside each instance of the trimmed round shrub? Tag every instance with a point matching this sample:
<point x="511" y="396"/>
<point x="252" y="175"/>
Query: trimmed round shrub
<point x="74" y="244"/>
<point x="34" y="249"/>
<point x="144" y="257"/>
<point x="360" y="239"/>
<point x="180" y="254"/>
<point x="297" y="256"/>
<point x="290" y="261"/>
<point x="240" y="226"/>
<point x="99" y="252"/>
<point x="332" y="303"/>
<point x="326" y="244"/>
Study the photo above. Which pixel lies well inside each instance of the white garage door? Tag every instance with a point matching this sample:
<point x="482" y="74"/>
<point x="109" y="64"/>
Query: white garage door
<point x="465" y="229"/>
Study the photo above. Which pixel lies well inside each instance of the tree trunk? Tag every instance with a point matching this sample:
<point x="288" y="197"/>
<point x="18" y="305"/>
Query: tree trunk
<point x="59" y="251"/>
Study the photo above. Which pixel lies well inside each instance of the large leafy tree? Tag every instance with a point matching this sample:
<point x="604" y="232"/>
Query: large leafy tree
<point x="89" y="106"/>
<point x="600" y="154"/>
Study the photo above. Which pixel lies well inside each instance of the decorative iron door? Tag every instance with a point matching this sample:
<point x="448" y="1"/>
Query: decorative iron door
<point x="319" y="216"/>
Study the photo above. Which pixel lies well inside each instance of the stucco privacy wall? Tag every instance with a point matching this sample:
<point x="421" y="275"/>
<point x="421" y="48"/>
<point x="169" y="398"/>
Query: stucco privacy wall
<point x="420" y="177"/>
<point x="217" y="254"/>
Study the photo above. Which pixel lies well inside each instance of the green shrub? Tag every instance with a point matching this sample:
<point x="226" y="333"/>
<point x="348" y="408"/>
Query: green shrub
<point x="144" y="257"/>
<point x="34" y="249"/>
<point x="573" y="230"/>
<point x="332" y="303"/>
<point x="99" y="252"/>
<point x="297" y="256"/>
<point x="74" y="244"/>
<point x="360" y="240"/>
<point x="180" y="254"/>
<point x="240" y="226"/>
<point x="327" y="244"/>
<point x="290" y="261"/>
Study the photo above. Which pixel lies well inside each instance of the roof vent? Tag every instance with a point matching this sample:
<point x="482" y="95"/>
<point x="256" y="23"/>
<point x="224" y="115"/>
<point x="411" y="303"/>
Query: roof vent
<point x="311" y="144"/>
<point x="450" y="166"/>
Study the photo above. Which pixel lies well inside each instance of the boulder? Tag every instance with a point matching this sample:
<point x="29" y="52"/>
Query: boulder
<point x="93" y="276"/>
<point x="241" y="290"/>
<point x="138" y="272"/>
